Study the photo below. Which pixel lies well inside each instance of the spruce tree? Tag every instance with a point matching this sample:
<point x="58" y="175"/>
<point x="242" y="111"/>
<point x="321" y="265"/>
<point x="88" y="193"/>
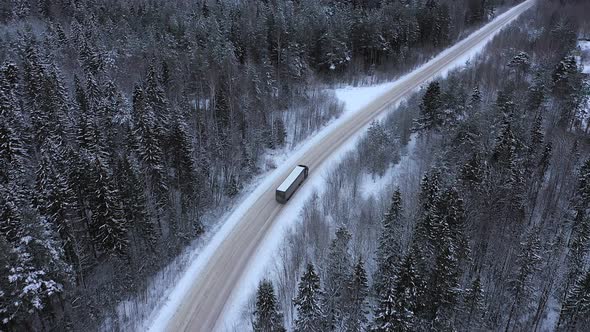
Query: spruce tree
<point x="148" y="147"/>
<point x="472" y="307"/>
<point x="338" y="276"/>
<point x="426" y="236"/>
<point x="520" y="284"/>
<point x="222" y="108"/>
<point x="575" y="311"/>
<point x="398" y="306"/>
<point x="357" y="304"/>
<point x="109" y="229"/>
<point x="536" y="94"/>
<point x="472" y="172"/>
<point x="157" y="103"/>
<point x="506" y="145"/>
<point x="430" y="109"/>
<point x="181" y="150"/>
<point x="579" y="242"/>
<point x="443" y="289"/>
<point x="385" y="313"/>
<point x="133" y="202"/>
<point x="389" y="248"/>
<point x="55" y="199"/>
<point x="267" y="317"/>
<point x="451" y="211"/>
<point x="280" y="133"/>
<point x="307" y="302"/>
<point x="475" y="99"/>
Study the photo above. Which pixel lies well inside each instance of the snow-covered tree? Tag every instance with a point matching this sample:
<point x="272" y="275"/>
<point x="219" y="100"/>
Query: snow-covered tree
<point x="267" y="317"/>
<point x="472" y="307"/>
<point x="575" y="312"/>
<point x="430" y="109"/>
<point x="357" y="302"/>
<point x="108" y="228"/>
<point x="309" y="312"/>
<point x="338" y="277"/>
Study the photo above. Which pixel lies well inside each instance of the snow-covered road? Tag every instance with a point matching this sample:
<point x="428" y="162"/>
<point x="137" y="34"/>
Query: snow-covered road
<point x="214" y="283"/>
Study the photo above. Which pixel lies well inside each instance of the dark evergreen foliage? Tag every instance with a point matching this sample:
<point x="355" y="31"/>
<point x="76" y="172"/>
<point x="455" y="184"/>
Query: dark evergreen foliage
<point x="267" y="317"/>
<point x="310" y="316"/>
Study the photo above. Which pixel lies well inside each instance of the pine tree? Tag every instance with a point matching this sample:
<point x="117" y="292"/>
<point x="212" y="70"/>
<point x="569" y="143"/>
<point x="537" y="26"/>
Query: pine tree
<point x="430" y="109"/>
<point x="475" y="99"/>
<point x="575" y="311"/>
<point x="397" y="307"/>
<point x="579" y="242"/>
<point x="545" y="159"/>
<point x="133" y="201"/>
<point x="475" y="11"/>
<point x="385" y="319"/>
<point x="307" y="302"/>
<point x="181" y="150"/>
<point x="12" y="148"/>
<point x="37" y="271"/>
<point x="267" y="317"/>
<point x="338" y="276"/>
<point x="357" y="304"/>
<point x="505" y="105"/>
<point x="426" y="236"/>
<point x="506" y="145"/>
<point x="6" y="287"/>
<point x="148" y="146"/>
<point x="568" y="88"/>
<point x="451" y="211"/>
<point x="520" y="62"/>
<point x="157" y="103"/>
<point x="33" y="80"/>
<point x="472" y="308"/>
<point x="536" y="94"/>
<point x="389" y="248"/>
<point x="442" y="25"/>
<point x="537" y="137"/>
<point x="527" y="263"/>
<point x="280" y="132"/>
<point x="583" y="192"/>
<point x="443" y="290"/>
<point x="109" y="229"/>
<point x="55" y="199"/>
<point x="472" y="172"/>
<point x="222" y="109"/>
<point x="564" y="75"/>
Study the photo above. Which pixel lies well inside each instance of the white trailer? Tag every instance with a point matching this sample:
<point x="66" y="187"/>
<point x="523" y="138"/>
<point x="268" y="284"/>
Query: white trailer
<point x="291" y="183"/>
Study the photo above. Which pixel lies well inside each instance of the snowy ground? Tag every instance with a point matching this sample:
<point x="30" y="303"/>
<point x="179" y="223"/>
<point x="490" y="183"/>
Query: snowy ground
<point x="373" y="185"/>
<point x="196" y="257"/>
<point x="584" y="61"/>
<point x="584" y="45"/>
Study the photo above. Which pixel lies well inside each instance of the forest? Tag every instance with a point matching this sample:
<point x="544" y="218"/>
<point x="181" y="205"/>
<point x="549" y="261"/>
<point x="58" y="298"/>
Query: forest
<point x="125" y="124"/>
<point x="484" y="224"/>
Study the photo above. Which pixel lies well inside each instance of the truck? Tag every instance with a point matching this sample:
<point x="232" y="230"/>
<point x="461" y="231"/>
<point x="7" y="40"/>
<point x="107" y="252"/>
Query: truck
<point x="291" y="183"/>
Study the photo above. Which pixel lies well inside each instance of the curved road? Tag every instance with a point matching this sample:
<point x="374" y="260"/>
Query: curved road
<point x="203" y="304"/>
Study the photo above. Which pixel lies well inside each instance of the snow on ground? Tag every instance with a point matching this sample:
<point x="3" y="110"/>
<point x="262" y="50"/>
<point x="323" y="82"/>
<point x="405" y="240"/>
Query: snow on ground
<point x="354" y="99"/>
<point x="549" y="322"/>
<point x="373" y="185"/>
<point x="584" y="46"/>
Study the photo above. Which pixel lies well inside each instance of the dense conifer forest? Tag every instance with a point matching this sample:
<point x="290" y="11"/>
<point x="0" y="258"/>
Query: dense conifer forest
<point x="485" y="222"/>
<point x="123" y="124"/>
